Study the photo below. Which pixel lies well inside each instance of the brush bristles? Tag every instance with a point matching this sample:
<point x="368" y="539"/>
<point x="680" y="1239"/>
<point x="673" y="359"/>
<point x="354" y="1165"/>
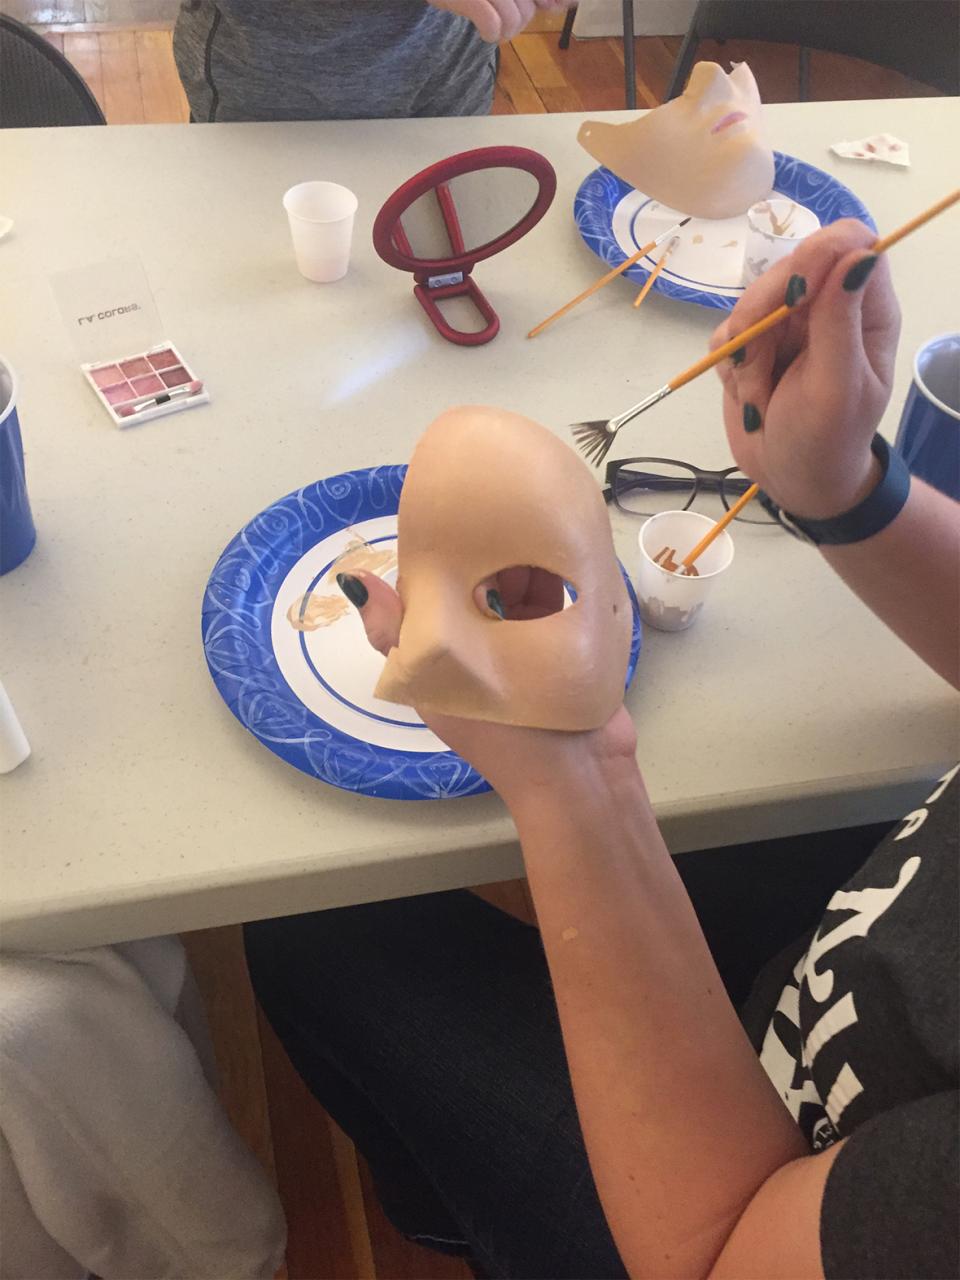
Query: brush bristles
<point x="594" y="442"/>
<point x="584" y="433"/>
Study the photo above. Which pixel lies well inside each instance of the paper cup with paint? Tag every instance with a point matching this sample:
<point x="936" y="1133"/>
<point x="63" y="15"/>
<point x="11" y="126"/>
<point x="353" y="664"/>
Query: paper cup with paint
<point x="321" y="224"/>
<point x="17" y="532"/>
<point x="928" y="437"/>
<point x="672" y="601"/>
<point x="774" y="229"/>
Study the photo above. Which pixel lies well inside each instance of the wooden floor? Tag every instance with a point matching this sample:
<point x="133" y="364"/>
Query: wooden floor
<point x="336" y="1229"/>
<point x="132" y="73"/>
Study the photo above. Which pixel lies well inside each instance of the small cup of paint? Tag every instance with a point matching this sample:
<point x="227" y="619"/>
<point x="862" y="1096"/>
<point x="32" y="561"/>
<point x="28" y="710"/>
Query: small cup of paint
<point x="669" y="599"/>
<point x="774" y="229"/>
<point x="321" y="225"/>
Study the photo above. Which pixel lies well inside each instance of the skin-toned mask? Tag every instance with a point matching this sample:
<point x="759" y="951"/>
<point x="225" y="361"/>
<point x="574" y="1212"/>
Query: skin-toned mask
<point x="702" y="153"/>
<point x="489" y="491"/>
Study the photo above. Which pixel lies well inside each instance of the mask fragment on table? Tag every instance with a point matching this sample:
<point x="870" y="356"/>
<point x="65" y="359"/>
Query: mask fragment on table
<point x="489" y="490"/>
<point x="879" y="146"/>
<point x="703" y="153"/>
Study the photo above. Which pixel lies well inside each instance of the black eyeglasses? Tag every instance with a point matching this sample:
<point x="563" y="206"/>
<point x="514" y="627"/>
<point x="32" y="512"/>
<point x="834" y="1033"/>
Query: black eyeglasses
<point x="647" y="486"/>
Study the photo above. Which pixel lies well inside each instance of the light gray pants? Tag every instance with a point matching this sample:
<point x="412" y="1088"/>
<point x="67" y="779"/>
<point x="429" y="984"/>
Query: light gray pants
<point x="115" y="1156"/>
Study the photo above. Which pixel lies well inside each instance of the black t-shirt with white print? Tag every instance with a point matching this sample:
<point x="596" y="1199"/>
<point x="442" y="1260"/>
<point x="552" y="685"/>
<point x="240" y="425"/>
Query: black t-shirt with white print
<point x="863" y="1044"/>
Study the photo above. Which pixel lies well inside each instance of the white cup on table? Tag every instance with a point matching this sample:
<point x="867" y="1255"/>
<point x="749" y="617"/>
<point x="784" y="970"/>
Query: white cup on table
<point x="774" y="229"/>
<point x="670" y="601"/>
<point x="14" y="747"/>
<point x="321" y="224"/>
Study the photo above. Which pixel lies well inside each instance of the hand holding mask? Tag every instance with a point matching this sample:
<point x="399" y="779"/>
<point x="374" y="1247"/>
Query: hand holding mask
<point x="488" y="491"/>
<point x="702" y="153"/>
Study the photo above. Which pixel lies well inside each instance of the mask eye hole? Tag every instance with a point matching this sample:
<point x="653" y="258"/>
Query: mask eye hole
<point x="523" y="592"/>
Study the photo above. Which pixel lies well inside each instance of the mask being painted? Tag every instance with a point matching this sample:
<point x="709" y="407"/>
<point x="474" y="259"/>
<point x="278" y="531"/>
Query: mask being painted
<point x="488" y="490"/>
<point x="702" y="153"/>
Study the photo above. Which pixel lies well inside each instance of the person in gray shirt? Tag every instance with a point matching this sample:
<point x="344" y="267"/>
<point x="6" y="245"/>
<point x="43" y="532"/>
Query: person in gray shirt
<point x="343" y="59"/>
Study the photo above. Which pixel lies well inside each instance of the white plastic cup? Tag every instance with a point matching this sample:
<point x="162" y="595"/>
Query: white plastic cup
<point x="672" y="601"/>
<point x="774" y="229"/>
<point x="14" y="747"/>
<point x="321" y="224"/>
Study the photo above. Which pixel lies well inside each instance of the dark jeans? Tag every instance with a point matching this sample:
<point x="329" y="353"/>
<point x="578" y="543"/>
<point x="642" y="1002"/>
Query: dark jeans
<point x="427" y="1028"/>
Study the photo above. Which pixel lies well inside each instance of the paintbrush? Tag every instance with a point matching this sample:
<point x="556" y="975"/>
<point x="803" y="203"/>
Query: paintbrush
<point x="611" y="275"/>
<point x="595" y="438"/>
<point x="649" y="282"/>
<point x="686" y="564"/>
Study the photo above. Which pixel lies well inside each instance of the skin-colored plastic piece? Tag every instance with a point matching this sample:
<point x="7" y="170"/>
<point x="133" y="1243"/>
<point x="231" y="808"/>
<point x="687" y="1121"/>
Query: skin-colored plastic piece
<point x="489" y="490"/>
<point x="702" y="153"/>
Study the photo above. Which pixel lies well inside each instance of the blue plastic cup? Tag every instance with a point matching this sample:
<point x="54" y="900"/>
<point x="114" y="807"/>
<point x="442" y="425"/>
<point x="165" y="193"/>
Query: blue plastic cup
<point x="928" y="437"/>
<point x="17" y="533"/>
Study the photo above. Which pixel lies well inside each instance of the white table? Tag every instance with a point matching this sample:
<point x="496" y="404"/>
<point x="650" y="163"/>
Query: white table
<point x="145" y="807"/>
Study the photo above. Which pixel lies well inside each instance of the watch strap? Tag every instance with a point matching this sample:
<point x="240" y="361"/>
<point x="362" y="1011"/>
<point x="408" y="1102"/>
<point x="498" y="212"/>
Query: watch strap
<point x="878" y="509"/>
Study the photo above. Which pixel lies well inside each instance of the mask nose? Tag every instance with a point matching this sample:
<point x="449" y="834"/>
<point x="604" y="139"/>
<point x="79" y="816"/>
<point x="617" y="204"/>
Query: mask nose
<point x="709" y="85"/>
<point x="445" y="647"/>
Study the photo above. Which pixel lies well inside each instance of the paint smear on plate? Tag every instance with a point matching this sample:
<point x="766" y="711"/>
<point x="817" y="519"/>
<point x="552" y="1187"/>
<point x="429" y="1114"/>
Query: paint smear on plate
<point x="311" y="612"/>
<point x="360" y="556"/>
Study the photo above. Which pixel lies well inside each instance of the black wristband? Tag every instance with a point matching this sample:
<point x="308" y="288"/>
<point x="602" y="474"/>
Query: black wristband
<point x="878" y="509"/>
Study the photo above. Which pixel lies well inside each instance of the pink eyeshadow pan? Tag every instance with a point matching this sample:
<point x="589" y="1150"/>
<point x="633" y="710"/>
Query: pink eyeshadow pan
<point x="107" y="377"/>
<point x="163" y="359"/>
<point x="147" y="386"/>
<point x="117" y="395"/>
<point x="135" y="368"/>
<point x="175" y="377"/>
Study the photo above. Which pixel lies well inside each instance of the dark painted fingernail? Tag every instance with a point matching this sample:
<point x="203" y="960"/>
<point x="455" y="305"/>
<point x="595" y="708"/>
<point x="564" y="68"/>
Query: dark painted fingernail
<point x="494" y="603"/>
<point x="738" y="356"/>
<point x="751" y="417"/>
<point x="796" y="288"/>
<point x="859" y="273"/>
<point x="353" y="589"/>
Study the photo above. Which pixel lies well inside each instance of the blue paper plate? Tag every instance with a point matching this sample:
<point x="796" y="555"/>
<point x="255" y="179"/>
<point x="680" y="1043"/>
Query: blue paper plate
<point x="307" y="693"/>
<point x="615" y="220"/>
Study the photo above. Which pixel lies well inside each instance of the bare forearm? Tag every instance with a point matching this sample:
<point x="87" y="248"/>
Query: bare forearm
<point x="681" y="1123"/>
<point x="909" y="575"/>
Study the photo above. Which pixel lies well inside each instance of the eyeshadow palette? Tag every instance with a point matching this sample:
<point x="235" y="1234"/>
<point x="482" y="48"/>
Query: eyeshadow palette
<point x="147" y="385"/>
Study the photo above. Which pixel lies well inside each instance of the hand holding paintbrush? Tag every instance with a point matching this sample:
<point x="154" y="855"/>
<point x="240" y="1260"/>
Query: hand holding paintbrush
<point x="801" y="410"/>
<point x="802" y="402"/>
<point x="831" y="403"/>
<point x="783" y="290"/>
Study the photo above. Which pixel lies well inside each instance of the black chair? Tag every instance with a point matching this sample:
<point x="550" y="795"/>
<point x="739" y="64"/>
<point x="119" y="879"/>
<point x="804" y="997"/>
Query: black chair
<point x="38" y="86"/>
<point x="920" y="39"/>
<point x="629" y="49"/>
